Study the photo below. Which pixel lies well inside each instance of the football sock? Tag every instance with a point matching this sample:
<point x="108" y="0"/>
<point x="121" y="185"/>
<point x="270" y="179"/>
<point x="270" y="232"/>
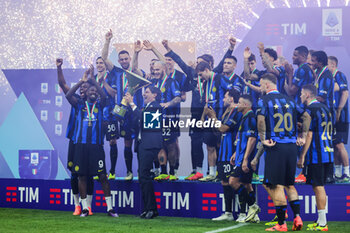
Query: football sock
<point x="228" y="196"/>
<point x="128" y="158"/>
<point x="89" y="200"/>
<point x="295" y="205"/>
<point x="251" y="199"/>
<point x="212" y="171"/>
<point x="109" y="203"/>
<point x="346" y="170"/>
<point x="163" y="169"/>
<point x="113" y="153"/>
<point x="337" y="170"/>
<point x="172" y="170"/>
<point x="322" y="221"/>
<point x="84" y="204"/>
<point x="76" y="199"/>
<point x="281" y="213"/>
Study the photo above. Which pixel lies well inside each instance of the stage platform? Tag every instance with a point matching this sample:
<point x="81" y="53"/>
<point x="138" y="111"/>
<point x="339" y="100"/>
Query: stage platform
<point x="178" y="199"/>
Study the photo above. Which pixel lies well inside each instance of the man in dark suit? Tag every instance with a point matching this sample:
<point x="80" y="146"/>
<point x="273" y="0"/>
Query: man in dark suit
<point x="147" y="124"/>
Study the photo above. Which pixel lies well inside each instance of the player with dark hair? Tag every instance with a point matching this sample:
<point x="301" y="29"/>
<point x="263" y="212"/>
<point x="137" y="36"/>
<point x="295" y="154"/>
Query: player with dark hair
<point x="341" y="94"/>
<point x="195" y="83"/>
<point x="229" y="127"/>
<point x="170" y="99"/>
<point x="70" y="130"/>
<point x="251" y="77"/>
<point x="120" y="83"/>
<point x="148" y="144"/>
<point x="229" y="67"/>
<point x="89" y="157"/>
<point x="215" y="87"/>
<point x="242" y="173"/>
<point x="324" y="81"/>
<point x="277" y="126"/>
<point x="318" y="152"/>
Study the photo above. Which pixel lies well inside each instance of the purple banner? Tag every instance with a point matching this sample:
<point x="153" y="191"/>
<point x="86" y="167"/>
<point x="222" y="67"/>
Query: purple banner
<point x="178" y="199"/>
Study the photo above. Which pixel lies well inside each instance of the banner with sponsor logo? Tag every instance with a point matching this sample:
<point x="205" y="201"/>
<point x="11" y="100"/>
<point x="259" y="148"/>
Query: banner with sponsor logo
<point x="178" y="199"/>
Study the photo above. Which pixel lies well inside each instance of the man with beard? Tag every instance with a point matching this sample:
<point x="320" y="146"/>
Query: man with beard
<point x="70" y="131"/>
<point x="120" y="82"/>
<point x="229" y="127"/>
<point x="303" y="75"/>
<point x="215" y="87"/>
<point x="317" y="152"/>
<point x="277" y="126"/>
<point x="89" y="157"/>
<point x="229" y="67"/>
<point x="195" y="83"/>
<point x="341" y="94"/>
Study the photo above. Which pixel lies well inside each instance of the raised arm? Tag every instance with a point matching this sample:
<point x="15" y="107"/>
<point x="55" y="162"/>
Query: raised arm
<point x="188" y="70"/>
<point x="60" y="78"/>
<point x="100" y="91"/>
<point x="135" y="59"/>
<point x="105" y="49"/>
<point x="70" y="94"/>
<point x="148" y="46"/>
<point x="219" y="68"/>
<point x="265" y="60"/>
<point x="247" y="74"/>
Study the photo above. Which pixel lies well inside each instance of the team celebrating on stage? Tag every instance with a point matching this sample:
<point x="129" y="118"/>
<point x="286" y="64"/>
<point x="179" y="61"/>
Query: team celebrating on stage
<point x="294" y="117"/>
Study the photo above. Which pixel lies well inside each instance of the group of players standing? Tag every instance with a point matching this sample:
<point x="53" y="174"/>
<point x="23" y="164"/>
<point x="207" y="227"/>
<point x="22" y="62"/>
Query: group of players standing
<point x="292" y="113"/>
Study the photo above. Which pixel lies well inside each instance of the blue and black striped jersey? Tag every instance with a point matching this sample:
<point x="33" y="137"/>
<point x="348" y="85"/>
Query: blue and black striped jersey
<point x="281" y="79"/>
<point x="302" y="76"/>
<point x="325" y="87"/>
<point x="232" y="119"/>
<point x="246" y="130"/>
<point x="180" y="79"/>
<point x="281" y="114"/>
<point x="248" y="91"/>
<point x="169" y="89"/>
<point x="343" y="86"/>
<point x="321" y="147"/>
<point x="88" y="113"/>
<point x="235" y="81"/>
<point x="214" y="92"/>
<point x="71" y="120"/>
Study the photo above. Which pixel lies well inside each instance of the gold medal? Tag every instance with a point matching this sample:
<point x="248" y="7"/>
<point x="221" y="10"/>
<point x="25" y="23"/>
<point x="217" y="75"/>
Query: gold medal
<point x="90" y="124"/>
<point x="163" y="89"/>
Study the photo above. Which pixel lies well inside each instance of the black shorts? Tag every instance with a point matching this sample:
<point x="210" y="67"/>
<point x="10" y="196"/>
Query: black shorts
<point x="112" y="130"/>
<point x="170" y="135"/>
<point x="280" y="164"/>
<point x="341" y="133"/>
<point x="224" y="170"/>
<point x="71" y="152"/>
<point x="316" y="174"/>
<point x="89" y="159"/>
<point x="245" y="178"/>
<point x="211" y="138"/>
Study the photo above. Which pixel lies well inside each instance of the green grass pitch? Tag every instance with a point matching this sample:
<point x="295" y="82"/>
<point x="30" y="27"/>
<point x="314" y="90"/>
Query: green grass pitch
<point x="27" y="220"/>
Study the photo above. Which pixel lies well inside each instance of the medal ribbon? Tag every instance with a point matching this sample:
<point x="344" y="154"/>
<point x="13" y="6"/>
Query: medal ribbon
<point x="228" y="116"/>
<point x="163" y="82"/>
<point x="173" y="75"/>
<point x="247" y="113"/>
<point x="318" y="77"/>
<point x="272" y="91"/>
<point x="313" y="101"/>
<point x="88" y="110"/>
<point x="104" y="78"/>
<point x="200" y="87"/>
<point x="231" y="76"/>
<point x="335" y="73"/>
<point x="211" y="86"/>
